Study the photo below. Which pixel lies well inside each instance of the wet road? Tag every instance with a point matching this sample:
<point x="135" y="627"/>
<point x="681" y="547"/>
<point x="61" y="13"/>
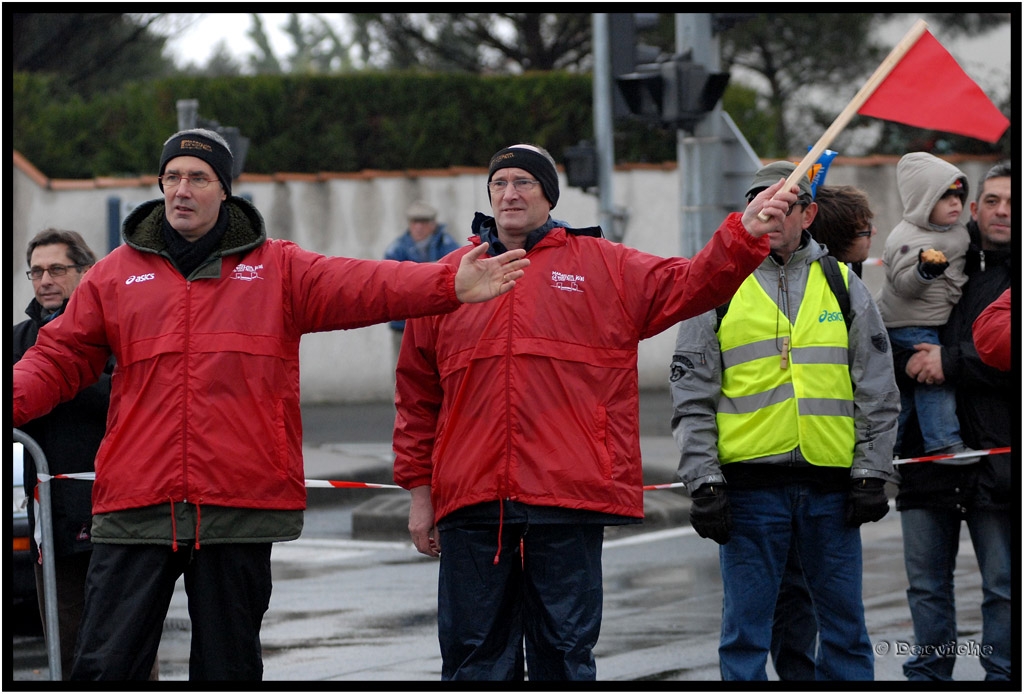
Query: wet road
<point x="346" y="610"/>
<point x="351" y="610"/>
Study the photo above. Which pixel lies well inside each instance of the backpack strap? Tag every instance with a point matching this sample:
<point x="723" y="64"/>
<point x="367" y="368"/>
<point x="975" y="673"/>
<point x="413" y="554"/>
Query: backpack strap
<point x="720" y="312"/>
<point x="834" y="277"/>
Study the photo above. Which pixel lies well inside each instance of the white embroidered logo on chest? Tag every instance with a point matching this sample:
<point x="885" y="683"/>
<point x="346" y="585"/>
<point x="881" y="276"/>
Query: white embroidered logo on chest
<point x="567" y="282"/>
<point x="247" y="273"/>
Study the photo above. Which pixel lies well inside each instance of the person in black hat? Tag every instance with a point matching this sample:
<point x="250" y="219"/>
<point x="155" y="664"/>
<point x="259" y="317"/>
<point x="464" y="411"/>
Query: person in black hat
<point x="200" y="469"/>
<point x="785" y="417"/>
<point x="517" y="425"/>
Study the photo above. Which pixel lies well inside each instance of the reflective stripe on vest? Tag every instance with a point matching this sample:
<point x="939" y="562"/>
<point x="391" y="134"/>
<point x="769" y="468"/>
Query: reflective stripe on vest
<point x="768" y="410"/>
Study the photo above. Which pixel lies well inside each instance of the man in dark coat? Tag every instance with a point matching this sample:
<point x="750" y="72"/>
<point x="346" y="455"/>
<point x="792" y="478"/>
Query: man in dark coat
<point x="936" y="497"/>
<point x="69" y="436"/>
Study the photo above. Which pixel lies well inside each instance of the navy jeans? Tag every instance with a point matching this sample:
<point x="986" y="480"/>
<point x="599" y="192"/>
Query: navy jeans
<point x="766" y="522"/>
<point x="545" y="592"/>
<point x="931" y="538"/>
<point x="794" y="629"/>
<point x="935" y="404"/>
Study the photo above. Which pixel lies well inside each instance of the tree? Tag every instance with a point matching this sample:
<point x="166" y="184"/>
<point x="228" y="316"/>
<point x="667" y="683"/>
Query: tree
<point x="813" y="64"/>
<point x="317" y="47"/>
<point x="89" y="52"/>
<point x="222" y="63"/>
<point x="500" y="42"/>
<point x="793" y="54"/>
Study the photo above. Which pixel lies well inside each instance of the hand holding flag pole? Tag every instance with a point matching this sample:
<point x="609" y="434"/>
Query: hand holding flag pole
<point x="930" y="90"/>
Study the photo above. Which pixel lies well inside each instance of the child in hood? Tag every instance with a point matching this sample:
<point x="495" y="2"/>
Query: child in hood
<point x="924" y="274"/>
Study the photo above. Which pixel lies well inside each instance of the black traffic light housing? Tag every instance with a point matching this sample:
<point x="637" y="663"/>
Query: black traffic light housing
<point x="690" y="93"/>
<point x="625" y="53"/>
<point x="581" y="165"/>
<point x="238" y="143"/>
<point x="643" y="92"/>
<point x="676" y="93"/>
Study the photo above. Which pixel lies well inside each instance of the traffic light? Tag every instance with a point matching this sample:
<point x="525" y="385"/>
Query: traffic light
<point x="676" y="93"/>
<point x="625" y="53"/>
<point x="581" y="165"/>
<point x="238" y="144"/>
<point x="690" y="92"/>
<point x="643" y="92"/>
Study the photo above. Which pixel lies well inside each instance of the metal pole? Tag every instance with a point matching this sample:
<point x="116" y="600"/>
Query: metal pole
<point x="699" y="155"/>
<point x="49" y="570"/>
<point x="604" y="130"/>
<point x="188" y="113"/>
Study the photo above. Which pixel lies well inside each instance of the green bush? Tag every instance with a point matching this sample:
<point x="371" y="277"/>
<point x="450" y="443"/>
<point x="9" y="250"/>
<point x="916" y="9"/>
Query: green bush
<point x="308" y="124"/>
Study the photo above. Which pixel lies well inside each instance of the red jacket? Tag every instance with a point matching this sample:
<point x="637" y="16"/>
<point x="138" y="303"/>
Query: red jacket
<point x="533" y="396"/>
<point x="205" y="396"/>
<point x="991" y="331"/>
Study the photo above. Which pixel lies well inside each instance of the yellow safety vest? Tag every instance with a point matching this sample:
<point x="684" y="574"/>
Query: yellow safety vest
<point x="767" y="409"/>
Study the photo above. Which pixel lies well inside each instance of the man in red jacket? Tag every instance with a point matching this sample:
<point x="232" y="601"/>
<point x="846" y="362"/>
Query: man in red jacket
<point x="517" y="422"/>
<point x="200" y="470"/>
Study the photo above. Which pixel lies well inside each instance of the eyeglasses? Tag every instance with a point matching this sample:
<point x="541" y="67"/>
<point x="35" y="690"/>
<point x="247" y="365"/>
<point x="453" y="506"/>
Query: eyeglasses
<point x="36" y="273"/>
<point x="799" y="201"/>
<point x="172" y="181"/>
<point x="802" y="200"/>
<point x="522" y="185"/>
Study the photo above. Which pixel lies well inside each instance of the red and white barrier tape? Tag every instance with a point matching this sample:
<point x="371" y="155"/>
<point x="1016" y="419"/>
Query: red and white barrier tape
<point x="309" y="483"/>
<point x="338" y="484"/>
<point x="952" y="456"/>
<point x="898" y="461"/>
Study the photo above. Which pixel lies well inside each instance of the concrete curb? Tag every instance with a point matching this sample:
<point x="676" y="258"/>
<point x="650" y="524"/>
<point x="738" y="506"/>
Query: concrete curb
<point x="386" y="516"/>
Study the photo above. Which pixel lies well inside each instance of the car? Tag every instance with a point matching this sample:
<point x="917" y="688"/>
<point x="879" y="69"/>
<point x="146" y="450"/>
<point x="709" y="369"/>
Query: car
<point x="22" y="576"/>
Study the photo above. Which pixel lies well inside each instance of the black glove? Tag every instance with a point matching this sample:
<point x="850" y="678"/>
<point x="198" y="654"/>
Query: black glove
<point x="930" y="270"/>
<point x="709" y="513"/>
<point x="866" y="502"/>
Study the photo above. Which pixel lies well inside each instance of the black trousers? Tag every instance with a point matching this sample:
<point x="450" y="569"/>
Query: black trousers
<point x="128" y="591"/>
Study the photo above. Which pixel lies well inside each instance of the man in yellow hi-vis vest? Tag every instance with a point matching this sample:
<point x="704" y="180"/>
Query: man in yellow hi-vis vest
<point x="786" y="419"/>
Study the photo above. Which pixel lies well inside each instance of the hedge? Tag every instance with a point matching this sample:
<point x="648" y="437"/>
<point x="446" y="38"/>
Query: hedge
<point x="313" y="123"/>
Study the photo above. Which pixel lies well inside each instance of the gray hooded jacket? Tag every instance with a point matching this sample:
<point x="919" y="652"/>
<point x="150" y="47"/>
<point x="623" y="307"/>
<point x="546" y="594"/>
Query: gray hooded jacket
<point x="906" y="298"/>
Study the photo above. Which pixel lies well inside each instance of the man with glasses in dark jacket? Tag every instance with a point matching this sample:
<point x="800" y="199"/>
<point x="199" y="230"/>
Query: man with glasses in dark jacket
<point x="69" y="436"/>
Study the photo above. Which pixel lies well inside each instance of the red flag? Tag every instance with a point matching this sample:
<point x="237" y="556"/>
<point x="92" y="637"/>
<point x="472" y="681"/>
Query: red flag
<point x="928" y="89"/>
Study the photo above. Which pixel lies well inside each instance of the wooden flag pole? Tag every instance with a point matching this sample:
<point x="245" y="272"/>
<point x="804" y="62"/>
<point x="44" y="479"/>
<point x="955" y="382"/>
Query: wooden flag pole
<point x="843" y="119"/>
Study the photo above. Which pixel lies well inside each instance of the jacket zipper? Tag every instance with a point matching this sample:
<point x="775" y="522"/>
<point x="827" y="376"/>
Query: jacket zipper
<point x="185" y="384"/>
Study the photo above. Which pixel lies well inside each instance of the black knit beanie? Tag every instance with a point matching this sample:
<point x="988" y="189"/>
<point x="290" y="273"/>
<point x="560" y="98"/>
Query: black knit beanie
<point x="519" y="157"/>
<point x="193" y="143"/>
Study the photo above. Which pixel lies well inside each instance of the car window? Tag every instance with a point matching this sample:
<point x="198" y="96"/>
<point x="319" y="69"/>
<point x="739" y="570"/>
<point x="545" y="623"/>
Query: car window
<point x="20" y="502"/>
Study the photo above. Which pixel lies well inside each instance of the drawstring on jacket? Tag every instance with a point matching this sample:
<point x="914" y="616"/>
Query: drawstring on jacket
<point x="174" y="527"/>
<point x="501" y="523"/>
<point x="199" y="516"/>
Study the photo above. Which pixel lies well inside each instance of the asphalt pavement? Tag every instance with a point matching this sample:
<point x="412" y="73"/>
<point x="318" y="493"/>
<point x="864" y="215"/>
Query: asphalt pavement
<point x="352" y="599"/>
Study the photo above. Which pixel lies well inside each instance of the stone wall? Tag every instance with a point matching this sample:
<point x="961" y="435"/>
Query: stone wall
<point x="357" y="215"/>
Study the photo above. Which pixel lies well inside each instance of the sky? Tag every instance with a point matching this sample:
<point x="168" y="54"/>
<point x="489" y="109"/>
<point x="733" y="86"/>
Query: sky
<point x="199" y="39"/>
<point x="986" y="59"/>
